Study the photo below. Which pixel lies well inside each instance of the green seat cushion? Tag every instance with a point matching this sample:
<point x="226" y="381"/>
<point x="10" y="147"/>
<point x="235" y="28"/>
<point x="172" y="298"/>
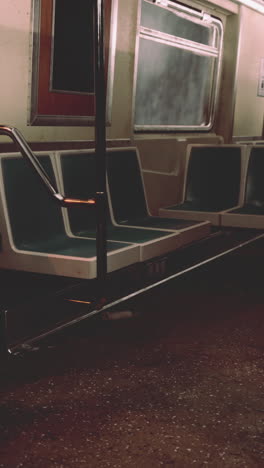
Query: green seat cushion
<point x="161" y="223"/>
<point x="68" y="246"/>
<point x="126" y="187"/>
<point x="130" y="235"/>
<point x="197" y="206"/>
<point x="254" y="195"/>
<point x="128" y="196"/>
<point x="213" y="178"/>
<point x="35" y="218"/>
<point x="249" y="209"/>
<point x="32" y="212"/>
<point x="78" y="171"/>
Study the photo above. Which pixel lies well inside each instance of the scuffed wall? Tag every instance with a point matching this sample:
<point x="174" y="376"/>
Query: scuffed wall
<point x="15" y="30"/>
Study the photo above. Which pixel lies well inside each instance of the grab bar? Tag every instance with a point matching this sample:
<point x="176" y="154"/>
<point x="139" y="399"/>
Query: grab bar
<point x="25" y="150"/>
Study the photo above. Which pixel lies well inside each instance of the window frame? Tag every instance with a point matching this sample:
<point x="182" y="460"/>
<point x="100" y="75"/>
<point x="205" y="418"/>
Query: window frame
<point x="47" y="107"/>
<point x="194" y="15"/>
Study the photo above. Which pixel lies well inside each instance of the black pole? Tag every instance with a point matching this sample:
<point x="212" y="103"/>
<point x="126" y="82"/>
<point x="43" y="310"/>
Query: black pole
<point x="4" y="350"/>
<point x="100" y="140"/>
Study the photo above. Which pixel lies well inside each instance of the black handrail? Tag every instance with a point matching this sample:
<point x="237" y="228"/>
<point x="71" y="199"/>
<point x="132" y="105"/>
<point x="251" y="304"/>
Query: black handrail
<point x="100" y="139"/>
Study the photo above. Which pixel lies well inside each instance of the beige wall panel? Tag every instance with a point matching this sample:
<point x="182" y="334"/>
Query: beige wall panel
<point x="15" y="30"/>
<point x="15" y="26"/>
<point x="124" y="69"/>
<point x="249" y="108"/>
<point x="226" y="103"/>
<point x="161" y="190"/>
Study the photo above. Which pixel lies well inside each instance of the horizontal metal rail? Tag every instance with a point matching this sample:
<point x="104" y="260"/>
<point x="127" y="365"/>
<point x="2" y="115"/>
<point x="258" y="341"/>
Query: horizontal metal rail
<point x="26" y="151"/>
<point x="98" y="310"/>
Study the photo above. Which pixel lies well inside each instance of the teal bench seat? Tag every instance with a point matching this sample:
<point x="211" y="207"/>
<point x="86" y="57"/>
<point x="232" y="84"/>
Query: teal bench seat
<point x="77" y="176"/>
<point x="128" y="199"/>
<point x="212" y="182"/>
<point x="33" y="232"/>
<point x="251" y="213"/>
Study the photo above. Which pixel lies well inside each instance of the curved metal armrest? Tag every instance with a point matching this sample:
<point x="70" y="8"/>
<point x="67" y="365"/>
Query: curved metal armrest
<point x="26" y="151"/>
<point x="75" y="201"/>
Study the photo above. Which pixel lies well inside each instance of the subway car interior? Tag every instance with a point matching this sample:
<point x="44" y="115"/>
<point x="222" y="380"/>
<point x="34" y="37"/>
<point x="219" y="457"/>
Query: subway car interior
<point x="132" y="233"/>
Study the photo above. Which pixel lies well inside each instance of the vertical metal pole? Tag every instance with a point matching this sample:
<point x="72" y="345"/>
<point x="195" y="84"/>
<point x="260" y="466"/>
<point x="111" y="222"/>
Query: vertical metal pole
<point x="100" y="140"/>
<point x="4" y="351"/>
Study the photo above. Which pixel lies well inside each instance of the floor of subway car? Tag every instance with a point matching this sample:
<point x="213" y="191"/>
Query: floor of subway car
<point x="180" y="384"/>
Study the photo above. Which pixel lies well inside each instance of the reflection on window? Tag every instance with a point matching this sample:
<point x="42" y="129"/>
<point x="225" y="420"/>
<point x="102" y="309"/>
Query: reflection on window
<point x="179" y="53"/>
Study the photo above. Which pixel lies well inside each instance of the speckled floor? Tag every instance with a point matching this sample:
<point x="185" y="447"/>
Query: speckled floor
<point x="179" y="385"/>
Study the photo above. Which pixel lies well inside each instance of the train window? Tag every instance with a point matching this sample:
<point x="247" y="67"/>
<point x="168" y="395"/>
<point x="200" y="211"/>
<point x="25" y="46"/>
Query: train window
<point x="69" y="50"/>
<point x="178" y="62"/>
<point x="62" y="89"/>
